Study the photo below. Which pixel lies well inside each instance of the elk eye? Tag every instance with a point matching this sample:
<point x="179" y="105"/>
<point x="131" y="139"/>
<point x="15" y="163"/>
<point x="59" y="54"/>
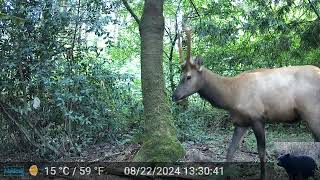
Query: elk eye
<point x="188" y="77"/>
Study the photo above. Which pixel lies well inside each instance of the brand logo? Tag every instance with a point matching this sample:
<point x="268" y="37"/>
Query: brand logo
<point x="13" y="171"/>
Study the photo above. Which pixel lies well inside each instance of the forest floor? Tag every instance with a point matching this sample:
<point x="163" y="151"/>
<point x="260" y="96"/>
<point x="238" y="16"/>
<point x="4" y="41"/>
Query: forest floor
<point x="212" y="149"/>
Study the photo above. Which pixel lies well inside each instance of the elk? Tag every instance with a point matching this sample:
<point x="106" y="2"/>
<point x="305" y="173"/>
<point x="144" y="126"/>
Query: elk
<point x="253" y="98"/>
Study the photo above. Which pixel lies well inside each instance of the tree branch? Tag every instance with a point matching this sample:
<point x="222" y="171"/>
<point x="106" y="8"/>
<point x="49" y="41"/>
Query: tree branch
<point x="195" y="8"/>
<point x="166" y="54"/>
<point x="24" y="130"/>
<point x="314" y="9"/>
<point x="135" y="17"/>
<point x="168" y="33"/>
<point x="173" y="42"/>
<point x="4" y="15"/>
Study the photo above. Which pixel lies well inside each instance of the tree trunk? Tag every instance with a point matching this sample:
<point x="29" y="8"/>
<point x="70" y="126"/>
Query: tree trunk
<point x="161" y="143"/>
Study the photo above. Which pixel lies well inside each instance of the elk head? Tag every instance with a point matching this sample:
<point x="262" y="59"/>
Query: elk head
<point x="191" y="79"/>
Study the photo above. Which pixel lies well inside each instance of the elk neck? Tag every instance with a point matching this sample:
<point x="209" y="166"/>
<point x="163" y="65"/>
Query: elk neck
<point x="216" y="89"/>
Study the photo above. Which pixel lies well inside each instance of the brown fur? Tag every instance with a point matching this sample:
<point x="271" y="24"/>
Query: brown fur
<point x="259" y="95"/>
<point x="256" y="97"/>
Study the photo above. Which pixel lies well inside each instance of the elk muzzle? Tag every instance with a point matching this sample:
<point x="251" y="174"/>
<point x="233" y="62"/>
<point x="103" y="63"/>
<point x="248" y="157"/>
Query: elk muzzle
<point x="175" y="97"/>
<point x="178" y="94"/>
<point x="181" y="92"/>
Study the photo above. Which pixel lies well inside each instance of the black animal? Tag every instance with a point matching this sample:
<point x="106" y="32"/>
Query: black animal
<point x="298" y="167"/>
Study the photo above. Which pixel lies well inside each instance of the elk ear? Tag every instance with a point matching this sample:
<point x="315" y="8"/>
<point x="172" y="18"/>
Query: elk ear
<point x="198" y="62"/>
<point x="287" y="155"/>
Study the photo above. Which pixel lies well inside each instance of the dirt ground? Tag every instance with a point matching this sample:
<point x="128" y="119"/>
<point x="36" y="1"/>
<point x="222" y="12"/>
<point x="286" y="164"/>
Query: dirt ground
<point x="207" y="151"/>
<point x="195" y="152"/>
<point x="211" y="151"/>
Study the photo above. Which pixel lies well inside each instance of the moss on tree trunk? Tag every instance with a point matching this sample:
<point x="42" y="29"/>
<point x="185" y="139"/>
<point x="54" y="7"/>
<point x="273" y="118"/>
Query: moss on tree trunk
<point x="161" y="143"/>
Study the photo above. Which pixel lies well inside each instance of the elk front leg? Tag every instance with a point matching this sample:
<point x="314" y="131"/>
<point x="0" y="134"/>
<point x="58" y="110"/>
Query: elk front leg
<point x="258" y="130"/>
<point x="237" y="137"/>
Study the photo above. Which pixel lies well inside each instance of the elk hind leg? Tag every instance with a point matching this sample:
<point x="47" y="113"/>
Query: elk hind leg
<point x="313" y="122"/>
<point x="315" y="130"/>
<point x="259" y="132"/>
